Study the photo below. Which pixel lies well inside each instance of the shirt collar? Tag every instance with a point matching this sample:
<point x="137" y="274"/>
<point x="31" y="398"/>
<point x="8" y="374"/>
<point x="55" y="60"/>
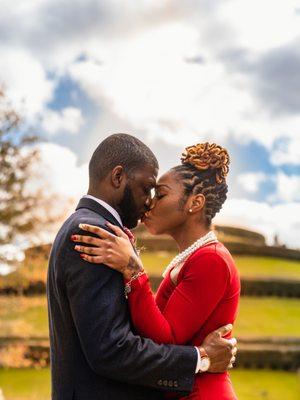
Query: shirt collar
<point x="107" y="206"/>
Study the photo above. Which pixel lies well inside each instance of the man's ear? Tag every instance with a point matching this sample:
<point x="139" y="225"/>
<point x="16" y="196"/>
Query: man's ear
<point x="197" y="202"/>
<point x="117" y="176"/>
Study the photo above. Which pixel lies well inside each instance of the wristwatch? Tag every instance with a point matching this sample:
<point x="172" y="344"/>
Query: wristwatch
<point x="205" y="361"/>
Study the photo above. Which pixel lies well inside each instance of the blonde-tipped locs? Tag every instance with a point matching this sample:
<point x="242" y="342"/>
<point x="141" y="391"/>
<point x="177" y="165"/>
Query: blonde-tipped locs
<point x="204" y="169"/>
<point x="208" y="155"/>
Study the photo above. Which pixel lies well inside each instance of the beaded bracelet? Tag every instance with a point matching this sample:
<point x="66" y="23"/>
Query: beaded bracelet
<point x="127" y="288"/>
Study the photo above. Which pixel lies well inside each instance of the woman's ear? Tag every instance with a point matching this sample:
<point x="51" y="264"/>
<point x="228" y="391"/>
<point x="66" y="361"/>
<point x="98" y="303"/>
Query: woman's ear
<point x="117" y="176"/>
<point x="197" y="203"/>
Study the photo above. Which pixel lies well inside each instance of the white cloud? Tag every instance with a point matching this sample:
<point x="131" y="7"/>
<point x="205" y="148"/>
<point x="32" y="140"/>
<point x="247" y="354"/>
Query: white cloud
<point x="251" y="181"/>
<point x="146" y="80"/>
<point x="288" y="152"/>
<point x="288" y="187"/>
<point x="158" y="68"/>
<point x="25" y="81"/>
<point x="261" y="25"/>
<point x="280" y="219"/>
<point x="59" y="172"/>
<point x="140" y="69"/>
<point x="67" y="120"/>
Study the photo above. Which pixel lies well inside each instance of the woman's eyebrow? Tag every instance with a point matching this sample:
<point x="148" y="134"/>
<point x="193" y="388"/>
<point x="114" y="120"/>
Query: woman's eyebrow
<point x="159" y="185"/>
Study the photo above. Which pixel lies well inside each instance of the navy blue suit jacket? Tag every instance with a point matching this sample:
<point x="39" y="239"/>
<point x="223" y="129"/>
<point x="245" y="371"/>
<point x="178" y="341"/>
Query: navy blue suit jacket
<point x="95" y="353"/>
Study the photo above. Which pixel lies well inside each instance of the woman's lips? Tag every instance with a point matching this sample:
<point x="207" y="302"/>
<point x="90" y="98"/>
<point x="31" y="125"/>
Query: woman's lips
<point x="145" y="217"/>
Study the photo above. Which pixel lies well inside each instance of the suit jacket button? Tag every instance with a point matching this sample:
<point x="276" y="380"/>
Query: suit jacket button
<point x="175" y="383"/>
<point x="165" y="382"/>
<point x="159" y="382"/>
<point x="170" y="383"/>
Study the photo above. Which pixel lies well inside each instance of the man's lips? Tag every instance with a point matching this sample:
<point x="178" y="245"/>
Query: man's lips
<point x="144" y="216"/>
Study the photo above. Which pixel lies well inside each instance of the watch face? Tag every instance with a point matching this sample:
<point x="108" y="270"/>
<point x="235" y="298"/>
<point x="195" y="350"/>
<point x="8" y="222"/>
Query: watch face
<point x="205" y="364"/>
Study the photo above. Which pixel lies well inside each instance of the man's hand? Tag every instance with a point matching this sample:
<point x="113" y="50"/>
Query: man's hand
<point x="220" y="351"/>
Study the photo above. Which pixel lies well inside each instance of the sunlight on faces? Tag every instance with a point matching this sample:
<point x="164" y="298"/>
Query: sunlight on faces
<point x="137" y="195"/>
<point x="167" y="213"/>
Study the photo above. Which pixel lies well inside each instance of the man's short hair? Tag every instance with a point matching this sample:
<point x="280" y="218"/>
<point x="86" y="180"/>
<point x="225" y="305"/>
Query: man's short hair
<point x="119" y="149"/>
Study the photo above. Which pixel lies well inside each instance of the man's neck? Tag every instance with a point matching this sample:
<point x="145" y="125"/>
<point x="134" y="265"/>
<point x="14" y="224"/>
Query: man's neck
<point x="107" y="204"/>
<point x="100" y="196"/>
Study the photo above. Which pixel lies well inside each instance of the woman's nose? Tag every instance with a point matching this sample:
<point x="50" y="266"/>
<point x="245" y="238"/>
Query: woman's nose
<point x="152" y="204"/>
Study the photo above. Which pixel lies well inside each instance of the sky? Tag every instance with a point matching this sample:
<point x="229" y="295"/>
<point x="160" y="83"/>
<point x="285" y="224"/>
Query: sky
<point x="172" y="73"/>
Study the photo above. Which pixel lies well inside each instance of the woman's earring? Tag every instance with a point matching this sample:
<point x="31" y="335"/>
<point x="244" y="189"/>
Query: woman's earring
<point x="190" y="210"/>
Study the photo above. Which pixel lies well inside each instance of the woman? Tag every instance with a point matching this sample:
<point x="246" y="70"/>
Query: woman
<point x="201" y="287"/>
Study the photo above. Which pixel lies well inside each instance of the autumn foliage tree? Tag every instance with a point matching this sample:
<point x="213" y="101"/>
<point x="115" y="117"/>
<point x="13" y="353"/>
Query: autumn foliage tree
<point x="24" y="207"/>
<point x="16" y="159"/>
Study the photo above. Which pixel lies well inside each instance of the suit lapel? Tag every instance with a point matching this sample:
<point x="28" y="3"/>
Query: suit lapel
<point x="99" y="209"/>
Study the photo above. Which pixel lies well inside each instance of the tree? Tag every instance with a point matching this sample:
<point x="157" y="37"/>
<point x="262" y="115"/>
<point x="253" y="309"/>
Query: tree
<point x="23" y="208"/>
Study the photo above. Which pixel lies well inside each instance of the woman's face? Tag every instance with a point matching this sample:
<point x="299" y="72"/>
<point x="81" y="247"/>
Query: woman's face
<point x="167" y="211"/>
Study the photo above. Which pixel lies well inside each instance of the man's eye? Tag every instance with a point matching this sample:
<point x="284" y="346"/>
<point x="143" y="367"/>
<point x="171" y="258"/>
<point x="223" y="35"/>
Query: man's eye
<point x="147" y="191"/>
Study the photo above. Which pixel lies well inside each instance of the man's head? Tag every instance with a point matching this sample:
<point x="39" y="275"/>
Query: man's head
<point x="122" y="172"/>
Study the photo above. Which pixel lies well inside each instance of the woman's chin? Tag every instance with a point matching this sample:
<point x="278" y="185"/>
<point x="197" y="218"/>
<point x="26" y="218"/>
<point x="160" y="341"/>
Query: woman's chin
<point x="150" y="227"/>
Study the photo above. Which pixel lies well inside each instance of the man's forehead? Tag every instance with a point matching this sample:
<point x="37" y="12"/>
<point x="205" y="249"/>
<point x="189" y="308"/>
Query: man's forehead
<point x="148" y="175"/>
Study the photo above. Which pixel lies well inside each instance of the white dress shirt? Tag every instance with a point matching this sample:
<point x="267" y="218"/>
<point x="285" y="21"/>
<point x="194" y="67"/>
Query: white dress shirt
<point x="118" y="218"/>
<point x="109" y="208"/>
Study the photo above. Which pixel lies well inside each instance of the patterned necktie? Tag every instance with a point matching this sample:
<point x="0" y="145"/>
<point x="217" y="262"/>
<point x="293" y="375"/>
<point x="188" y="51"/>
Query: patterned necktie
<point x="129" y="234"/>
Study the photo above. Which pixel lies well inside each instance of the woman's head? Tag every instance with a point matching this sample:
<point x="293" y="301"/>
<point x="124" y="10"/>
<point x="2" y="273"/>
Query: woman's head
<point x="192" y="192"/>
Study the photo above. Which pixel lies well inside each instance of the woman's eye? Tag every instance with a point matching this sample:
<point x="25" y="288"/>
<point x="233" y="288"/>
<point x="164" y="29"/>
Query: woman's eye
<point x="159" y="196"/>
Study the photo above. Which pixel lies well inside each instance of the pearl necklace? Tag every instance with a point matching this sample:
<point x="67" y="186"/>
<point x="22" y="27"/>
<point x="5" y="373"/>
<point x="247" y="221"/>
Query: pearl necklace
<point x="210" y="237"/>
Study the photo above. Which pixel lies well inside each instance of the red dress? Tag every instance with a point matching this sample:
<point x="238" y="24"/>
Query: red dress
<point x="205" y="298"/>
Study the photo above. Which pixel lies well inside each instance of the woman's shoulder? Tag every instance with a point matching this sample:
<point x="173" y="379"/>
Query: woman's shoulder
<point x="215" y="253"/>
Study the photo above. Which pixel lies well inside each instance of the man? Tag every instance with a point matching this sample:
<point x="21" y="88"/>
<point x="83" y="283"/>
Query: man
<point x="95" y="354"/>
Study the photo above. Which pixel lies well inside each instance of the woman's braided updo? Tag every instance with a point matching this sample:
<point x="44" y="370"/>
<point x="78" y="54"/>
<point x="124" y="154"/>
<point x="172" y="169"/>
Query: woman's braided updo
<point x="204" y="169"/>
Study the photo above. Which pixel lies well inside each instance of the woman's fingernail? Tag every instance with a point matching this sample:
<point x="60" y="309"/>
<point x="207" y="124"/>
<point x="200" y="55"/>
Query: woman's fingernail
<point x="81" y="226"/>
<point x="73" y="237"/>
<point x="76" y="248"/>
<point x="82" y="255"/>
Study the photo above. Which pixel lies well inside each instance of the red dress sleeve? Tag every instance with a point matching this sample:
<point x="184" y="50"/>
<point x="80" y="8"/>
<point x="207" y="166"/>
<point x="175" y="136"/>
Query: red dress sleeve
<point x="202" y="284"/>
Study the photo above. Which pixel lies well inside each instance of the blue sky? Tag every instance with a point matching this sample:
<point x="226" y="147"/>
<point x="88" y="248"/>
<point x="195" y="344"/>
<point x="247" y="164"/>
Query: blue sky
<point x="172" y="73"/>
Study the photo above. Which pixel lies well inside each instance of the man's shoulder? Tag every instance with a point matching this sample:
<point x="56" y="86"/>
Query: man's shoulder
<point x="70" y="227"/>
<point x="81" y="216"/>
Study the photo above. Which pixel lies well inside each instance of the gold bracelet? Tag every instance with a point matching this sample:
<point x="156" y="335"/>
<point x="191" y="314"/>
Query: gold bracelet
<point x="127" y="288"/>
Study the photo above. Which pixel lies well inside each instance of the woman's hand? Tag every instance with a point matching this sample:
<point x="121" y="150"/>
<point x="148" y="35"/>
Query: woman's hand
<point x="115" y="251"/>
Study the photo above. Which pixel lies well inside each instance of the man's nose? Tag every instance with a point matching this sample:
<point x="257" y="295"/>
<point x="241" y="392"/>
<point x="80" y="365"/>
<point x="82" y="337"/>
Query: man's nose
<point x="152" y="204"/>
<point x="148" y="203"/>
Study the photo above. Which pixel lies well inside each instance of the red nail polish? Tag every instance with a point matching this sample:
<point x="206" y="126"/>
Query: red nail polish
<point x="82" y="255"/>
<point x="73" y="237"/>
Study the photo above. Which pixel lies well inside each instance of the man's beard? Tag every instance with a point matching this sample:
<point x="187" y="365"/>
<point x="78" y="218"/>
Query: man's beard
<point x="128" y="210"/>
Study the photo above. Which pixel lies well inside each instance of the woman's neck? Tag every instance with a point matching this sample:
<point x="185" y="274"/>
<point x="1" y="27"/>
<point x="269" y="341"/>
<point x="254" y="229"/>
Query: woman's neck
<point x="185" y="236"/>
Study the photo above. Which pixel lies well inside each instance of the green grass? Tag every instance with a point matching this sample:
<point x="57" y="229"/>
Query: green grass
<point x="266" y="385"/>
<point x="264" y="316"/>
<point x="22" y="384"/>
<point x="268" y="316"/>
<point x="25" y="384"/>
<point x="155" y="263"/>
<point x="268" y="267"/>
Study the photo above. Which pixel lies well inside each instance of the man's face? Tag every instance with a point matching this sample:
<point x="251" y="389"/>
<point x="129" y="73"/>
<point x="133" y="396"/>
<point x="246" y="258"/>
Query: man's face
<point x="137" y="195"/>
